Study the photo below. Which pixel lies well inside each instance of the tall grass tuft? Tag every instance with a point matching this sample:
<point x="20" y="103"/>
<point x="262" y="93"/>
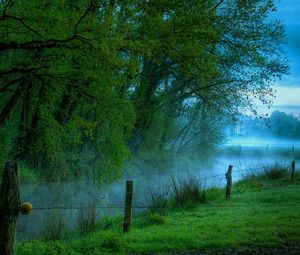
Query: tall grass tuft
<point x="158" y="200"/>
<point x="187" y="191"/>
<point x="267" y="172"/>
<point x="87" y="220"/>
<point x="275" y="171"/>
<point x="55" y="226"/>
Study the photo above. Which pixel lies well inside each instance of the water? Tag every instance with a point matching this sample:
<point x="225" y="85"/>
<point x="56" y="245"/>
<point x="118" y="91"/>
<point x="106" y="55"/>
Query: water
<point x="85" y="193"/>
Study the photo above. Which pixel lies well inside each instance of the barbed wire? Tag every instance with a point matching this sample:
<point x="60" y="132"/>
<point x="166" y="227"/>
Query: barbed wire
<point x="156" y="207"/>
<point x="175" y="181"/>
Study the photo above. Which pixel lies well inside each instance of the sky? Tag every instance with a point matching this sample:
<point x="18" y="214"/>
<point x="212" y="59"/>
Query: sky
<point x="288" y="88"/>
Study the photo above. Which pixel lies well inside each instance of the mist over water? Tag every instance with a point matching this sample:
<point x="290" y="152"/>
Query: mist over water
<point x="242" y="153"/>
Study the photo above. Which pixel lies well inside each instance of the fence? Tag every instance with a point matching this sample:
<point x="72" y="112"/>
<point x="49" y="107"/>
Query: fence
<point x="11" y="206"/>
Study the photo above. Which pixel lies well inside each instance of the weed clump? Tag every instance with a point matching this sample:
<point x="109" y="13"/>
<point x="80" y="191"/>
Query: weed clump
<point x="157" y="219"/>
<point x="87" y="220"/>
<point x="158" y="200"/>
<point x="265" y="176"/>
<point x="113" y="242"/>
<point x="187" y="191"/>
<point x="54" y="227"/>
<point x="275" y="171"/>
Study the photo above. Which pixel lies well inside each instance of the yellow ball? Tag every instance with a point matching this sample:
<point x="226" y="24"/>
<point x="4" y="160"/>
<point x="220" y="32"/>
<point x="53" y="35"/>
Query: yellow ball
<point x="26" y="208"/>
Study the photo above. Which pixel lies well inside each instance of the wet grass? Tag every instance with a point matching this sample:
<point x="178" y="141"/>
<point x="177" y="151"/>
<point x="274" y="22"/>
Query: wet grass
<point x="263" y="211"/>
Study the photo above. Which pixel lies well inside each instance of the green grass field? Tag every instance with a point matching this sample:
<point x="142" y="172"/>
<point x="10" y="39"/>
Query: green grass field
<point x="261" y="213"/>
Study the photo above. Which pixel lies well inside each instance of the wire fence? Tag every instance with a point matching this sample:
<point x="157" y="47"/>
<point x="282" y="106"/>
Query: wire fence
<point x="166" y="186"/>
<point x="42" y="215"/>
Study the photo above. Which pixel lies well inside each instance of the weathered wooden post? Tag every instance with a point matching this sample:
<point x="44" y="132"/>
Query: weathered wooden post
<point x="228" y="176"/>
<point x="9" y="208"/>
<point x="293" y="170"/>
<point x="128" y="206"/>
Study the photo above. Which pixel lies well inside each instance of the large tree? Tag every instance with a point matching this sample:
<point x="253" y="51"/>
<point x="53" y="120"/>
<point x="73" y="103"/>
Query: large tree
<point x="224" y="54"/>
<point x="60" y="68"/>
<point x="78" y="76"/>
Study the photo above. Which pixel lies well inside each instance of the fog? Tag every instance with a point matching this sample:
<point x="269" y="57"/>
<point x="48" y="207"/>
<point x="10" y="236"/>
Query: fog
<point x="244" y="154"/>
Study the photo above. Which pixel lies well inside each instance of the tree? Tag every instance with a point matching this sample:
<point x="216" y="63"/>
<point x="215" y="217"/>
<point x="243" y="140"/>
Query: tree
<point x="59" y="67"/>
<point x="82" y="79"/>
<point x="283" y="125"/>
<point x="226" y="55"/>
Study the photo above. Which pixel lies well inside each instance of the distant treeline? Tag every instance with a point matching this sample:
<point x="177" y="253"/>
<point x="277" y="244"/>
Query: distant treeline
<point x="278" y="125"/>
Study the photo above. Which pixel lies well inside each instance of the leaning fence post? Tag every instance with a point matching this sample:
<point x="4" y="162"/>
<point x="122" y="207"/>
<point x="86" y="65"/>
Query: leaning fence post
<point x="228" y="176"/>
<point x="9" y="208"/>
<point x="293" y="170"/>
<point x="128" y="206"/>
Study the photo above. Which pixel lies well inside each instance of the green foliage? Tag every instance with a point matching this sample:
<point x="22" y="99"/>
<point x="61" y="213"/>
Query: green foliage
<point x="54" y="54"/>
<point x="28" y="175"/>
<point x="284" y="126"/>
<point x="83" y="83"/>
<point x="277" y="125"/>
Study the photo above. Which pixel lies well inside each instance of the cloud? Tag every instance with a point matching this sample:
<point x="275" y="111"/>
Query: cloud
<point x="287" y="96"/>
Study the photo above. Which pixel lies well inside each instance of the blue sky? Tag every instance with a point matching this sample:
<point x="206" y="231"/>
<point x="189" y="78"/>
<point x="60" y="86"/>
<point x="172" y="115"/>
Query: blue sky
<point x="288" y="88"/>
<point x="289" y="12"/>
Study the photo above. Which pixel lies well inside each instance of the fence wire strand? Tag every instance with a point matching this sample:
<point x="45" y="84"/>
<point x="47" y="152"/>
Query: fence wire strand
<point x="218" y="177"/>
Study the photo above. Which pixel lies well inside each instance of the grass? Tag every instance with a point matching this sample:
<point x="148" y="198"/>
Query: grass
<point x="87" y="220"/>
<point x="262" y="212"/>
<point x="159" y="199"/>
<point x="187" y="192"/>
<point x="54" y="227"/>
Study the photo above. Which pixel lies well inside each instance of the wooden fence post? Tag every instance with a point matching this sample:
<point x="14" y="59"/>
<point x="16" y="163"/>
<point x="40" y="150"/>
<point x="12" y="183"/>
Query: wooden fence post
<point x="293" y="170"/>
<point x="9" y="208"/>
<point x="128" y="206"/>
<point x="228" y="176"/>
